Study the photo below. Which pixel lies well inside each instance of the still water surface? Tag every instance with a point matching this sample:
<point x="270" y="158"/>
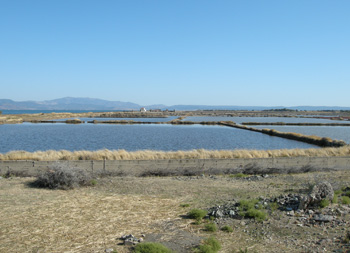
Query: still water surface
<point x="34" y="137"/>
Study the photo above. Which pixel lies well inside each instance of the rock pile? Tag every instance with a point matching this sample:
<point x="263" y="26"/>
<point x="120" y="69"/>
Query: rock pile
<point x="304" y="207"/>
<point x="131" y="240"/>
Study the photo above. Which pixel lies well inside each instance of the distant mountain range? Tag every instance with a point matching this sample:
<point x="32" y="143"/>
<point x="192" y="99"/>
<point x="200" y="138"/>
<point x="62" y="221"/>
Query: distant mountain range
<point x="70" y="103"/>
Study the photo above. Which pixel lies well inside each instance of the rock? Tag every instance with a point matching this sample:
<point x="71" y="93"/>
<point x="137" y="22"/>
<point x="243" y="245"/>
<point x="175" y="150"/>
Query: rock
<point x="322" y="191"/>
<point x="322" y="218"/>
<point x="124" y="237"/>
<point x="129" y="242"/>
<point x="109" y="250"/>
<point x="219" y="214"/>
<point x="318" y="193"/>
<point x="232" y="213"/>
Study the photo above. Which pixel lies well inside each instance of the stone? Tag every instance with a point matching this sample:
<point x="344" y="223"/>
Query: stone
<point x="322" y="218"/>
<point x="232" y="213"/>
<point x="318" y="193"/>
<point x="219" y="214"/>
<point x="109" y="250"/>
<point x="322" y="191"/>
<point x="129" y="242"/>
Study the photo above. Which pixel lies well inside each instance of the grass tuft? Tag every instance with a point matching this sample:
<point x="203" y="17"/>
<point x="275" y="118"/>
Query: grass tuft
<point x="197" y="214"/>
<point x="151" y="247"/>
<point x="345" y="200"/>
<point x="324" y="203"/>
<point x="227" y="229"/>
<point x="210" y="245"/>
<point x="211" y="227"/>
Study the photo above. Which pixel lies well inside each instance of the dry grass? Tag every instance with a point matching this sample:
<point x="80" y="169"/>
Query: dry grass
<point x="53" y="155"/>
<point x="91" y="219"/>
<point x="37" y="220"/>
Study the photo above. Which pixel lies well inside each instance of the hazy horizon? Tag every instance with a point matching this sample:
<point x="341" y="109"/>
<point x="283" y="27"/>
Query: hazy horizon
<point x="218" y="53"/>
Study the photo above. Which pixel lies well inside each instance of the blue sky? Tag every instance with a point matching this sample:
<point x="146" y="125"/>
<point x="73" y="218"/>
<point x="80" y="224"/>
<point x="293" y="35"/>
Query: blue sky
<point x="246" y="52"/>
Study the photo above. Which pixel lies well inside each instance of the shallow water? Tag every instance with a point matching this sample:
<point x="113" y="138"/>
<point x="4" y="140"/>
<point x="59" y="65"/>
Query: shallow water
<point x="34" y="137"/>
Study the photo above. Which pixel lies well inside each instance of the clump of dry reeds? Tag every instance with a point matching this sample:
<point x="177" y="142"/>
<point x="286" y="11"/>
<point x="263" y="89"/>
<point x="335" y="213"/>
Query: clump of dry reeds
<point x="61" y="176"/>
<point x="52" y="155"/>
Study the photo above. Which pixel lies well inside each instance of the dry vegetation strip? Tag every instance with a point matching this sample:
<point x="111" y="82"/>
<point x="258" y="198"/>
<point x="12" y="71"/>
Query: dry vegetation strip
<point x="53" y="155"/>
<point x="312" y="139"/>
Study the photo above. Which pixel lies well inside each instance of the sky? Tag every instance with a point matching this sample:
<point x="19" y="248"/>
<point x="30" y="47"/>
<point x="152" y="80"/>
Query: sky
<point x="193" y="52"/>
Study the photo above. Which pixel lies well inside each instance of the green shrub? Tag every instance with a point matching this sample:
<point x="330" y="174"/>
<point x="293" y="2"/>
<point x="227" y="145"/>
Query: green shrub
<point x="248" y="210"/>
<point x="245" y="204"/>
<point x="151" y="247"/>
<point x="338" y="192"/>
<point x="211" y="227"/>
<point x="256" y="214"/>
<point x="347" y="193"/>
<point x="335" y="199"/>
<point x="227" y="229"/>
<point x="197" y="214"/>
<point x="93" y="182"/>
<point x="210" y="245"/>
<point x="324" y="203"/>
<point x="185" y="205"/>
<point x="345" y="200"/>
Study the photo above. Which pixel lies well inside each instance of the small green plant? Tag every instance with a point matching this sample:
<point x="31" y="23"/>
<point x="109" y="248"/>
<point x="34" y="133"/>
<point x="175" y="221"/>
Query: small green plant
<point x="347" y="193"/>
<point x="210" y="245"/>
<point x="335" y="199"/>
<point x="338" y="192"/>
<point x="211" y="227"/>
<point x="227" y="229"/>
<point x="344" y="188"/>
<point x="239" y="175"/>
<point x="185" y="205"/>
<point x="249" y="209"/>
<point x="245" y="204"/>
<point x="324" y="203"/>
<point x="256" y="214"/>
<point x="151" y="247"/>
<point x="93" y="182"/>
<point x="197" y="214"/>
<point x="345" y="200"/>
<point x="273" y="206"/>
